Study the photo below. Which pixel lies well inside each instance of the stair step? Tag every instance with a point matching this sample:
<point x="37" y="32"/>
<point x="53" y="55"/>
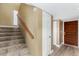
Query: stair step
<point x="8" y="39"/>
<point x="10" y="34"/>
<point x="18" y="45"/>
<point x="1" y="40"/>
<point x="7" y="49"/>
<point x="14" y="50"/>
<point x="8" y="29"/>
<point x="12" y="37"/>
<point x="11" y="42"/>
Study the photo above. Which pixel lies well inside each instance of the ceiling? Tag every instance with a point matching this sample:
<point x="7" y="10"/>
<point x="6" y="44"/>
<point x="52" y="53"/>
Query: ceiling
<point x="63" y="10"/>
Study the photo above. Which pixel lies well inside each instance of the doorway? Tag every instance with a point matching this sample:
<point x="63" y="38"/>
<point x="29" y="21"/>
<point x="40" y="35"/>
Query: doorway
<point x="15" y="18"/>
<point x="71" y="33"/>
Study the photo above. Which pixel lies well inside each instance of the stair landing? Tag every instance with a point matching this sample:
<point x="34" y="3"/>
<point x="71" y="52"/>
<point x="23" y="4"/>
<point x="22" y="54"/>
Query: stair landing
<point x="16" y="50"/>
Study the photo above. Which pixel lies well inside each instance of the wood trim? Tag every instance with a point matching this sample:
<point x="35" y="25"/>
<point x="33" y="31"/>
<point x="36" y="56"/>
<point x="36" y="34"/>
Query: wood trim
<point x="60" y="31"/>
<point x="25" y="26"/>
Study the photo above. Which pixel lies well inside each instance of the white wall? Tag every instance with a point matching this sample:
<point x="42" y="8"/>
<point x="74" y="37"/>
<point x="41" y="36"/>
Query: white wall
<point x="46" y="32"/>
<point x="55" y="31"/>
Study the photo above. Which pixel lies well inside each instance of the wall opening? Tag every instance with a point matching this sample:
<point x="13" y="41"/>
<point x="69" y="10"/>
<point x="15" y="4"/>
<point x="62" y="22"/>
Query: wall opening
<point x="15" y="18"/>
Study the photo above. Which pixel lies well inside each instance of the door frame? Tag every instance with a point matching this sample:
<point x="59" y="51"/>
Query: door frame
<point x="78" y="33"/>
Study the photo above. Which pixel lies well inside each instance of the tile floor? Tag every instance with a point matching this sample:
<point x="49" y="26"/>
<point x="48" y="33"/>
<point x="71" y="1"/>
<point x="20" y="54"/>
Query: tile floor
<point x="17" y="50"/>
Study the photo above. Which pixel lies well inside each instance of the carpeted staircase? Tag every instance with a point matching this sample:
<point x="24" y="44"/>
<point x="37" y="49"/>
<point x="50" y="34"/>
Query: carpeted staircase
<point x="12" y="42"/>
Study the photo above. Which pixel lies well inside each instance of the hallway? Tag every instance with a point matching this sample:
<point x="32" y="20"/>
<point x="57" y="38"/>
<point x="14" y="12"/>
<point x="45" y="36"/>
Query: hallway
<point x="66" y="51"/>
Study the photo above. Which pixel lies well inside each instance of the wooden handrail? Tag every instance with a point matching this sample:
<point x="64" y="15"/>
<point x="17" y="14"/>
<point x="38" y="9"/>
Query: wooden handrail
<point x="25" y="26"/>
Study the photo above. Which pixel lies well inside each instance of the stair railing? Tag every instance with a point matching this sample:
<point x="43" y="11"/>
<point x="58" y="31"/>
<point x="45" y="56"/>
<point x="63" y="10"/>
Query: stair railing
<point x="25" y="26"/>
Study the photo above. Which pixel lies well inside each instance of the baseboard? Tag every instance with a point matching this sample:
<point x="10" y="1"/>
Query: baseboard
<point x="58" y="45"/>
<point x="71" y="46"/>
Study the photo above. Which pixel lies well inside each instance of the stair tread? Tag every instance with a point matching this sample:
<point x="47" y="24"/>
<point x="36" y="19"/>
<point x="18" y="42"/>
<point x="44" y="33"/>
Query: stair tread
<point x="2" y="30"/>
<point x="15" y="50"/>
<point x="9" y="27"/>
<point x="8" y="40"/>
<point x="10" y="36"/>
<point x="12" y="46"/>
<point x="10" y="43"/>
<point x="9" y="33"/>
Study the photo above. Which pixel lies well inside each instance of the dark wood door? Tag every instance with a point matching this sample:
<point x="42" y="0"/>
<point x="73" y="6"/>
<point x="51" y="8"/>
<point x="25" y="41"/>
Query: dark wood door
<point x="71" y="33"/>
